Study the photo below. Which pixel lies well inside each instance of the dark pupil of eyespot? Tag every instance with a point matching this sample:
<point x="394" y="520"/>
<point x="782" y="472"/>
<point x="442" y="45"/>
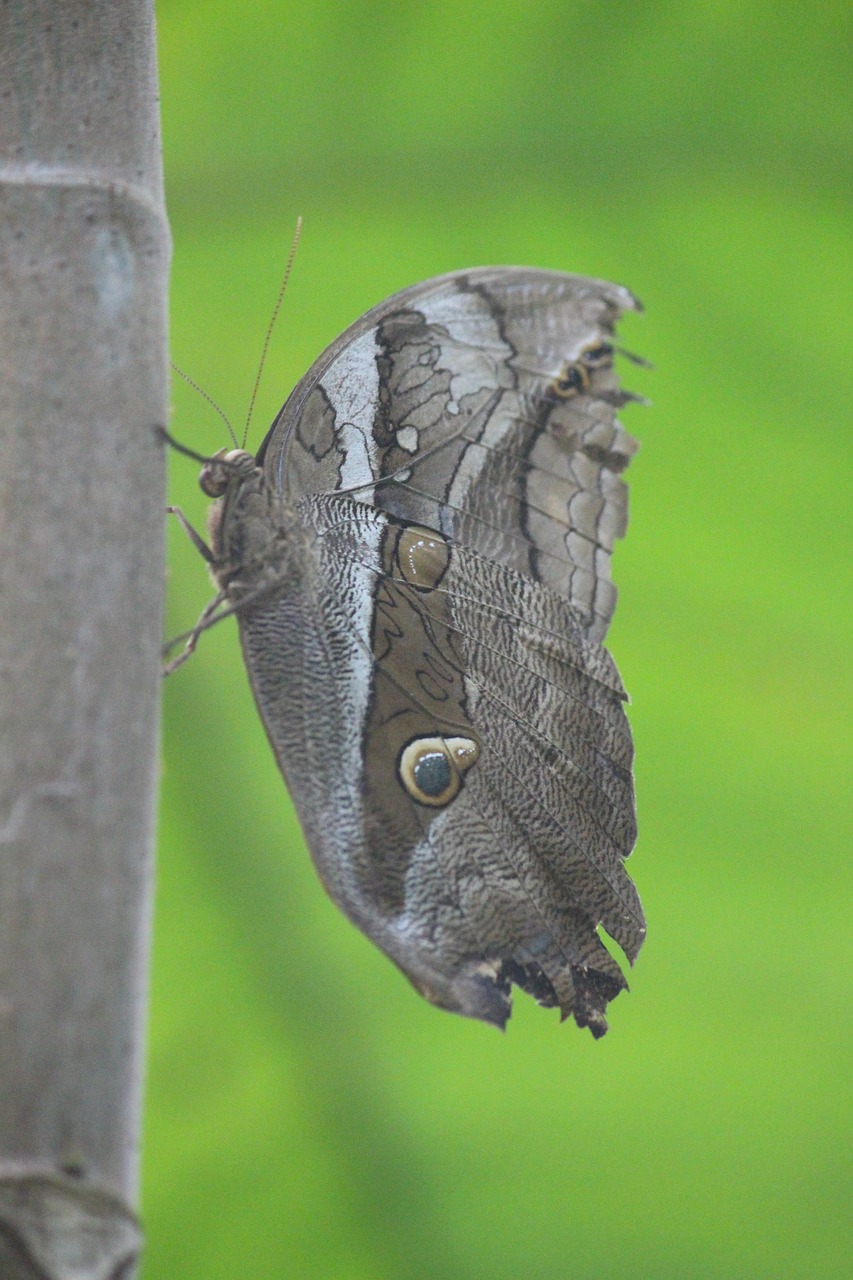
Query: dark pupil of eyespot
<point x="432" y="773"/>
<point x="571" y="380"/>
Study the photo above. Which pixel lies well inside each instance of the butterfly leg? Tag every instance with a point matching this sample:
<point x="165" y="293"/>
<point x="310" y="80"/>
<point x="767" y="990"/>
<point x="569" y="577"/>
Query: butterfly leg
<point x="191" y="638"/>
<point x="210" y="615"/>
<point x="195" y="538"/>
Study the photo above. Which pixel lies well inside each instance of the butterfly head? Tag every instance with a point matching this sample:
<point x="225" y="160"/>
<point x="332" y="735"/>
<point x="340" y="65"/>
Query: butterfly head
<point x="225" y="466"/>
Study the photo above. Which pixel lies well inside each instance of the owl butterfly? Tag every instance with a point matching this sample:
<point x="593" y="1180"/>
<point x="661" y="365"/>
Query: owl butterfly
<point x="419" y="562"/>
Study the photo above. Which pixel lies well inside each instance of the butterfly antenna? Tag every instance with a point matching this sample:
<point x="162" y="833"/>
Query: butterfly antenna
<point x="271" y="326"/>
<point x="210" y="400"/>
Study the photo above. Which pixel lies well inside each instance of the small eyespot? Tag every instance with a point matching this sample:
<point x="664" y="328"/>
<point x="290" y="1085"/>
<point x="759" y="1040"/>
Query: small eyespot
<point x="431" y="769"/>
<point x="574" y="377"/>
<point x="571" y="381"/>
<point x="597" y="356"/>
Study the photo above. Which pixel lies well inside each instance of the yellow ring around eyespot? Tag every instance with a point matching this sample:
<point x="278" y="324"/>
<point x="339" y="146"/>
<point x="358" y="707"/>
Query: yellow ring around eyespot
<point x="563" y="387"/>
<point x="435" y="759"/>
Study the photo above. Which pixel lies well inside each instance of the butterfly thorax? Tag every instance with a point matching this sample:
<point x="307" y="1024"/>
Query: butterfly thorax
<point x="254" y="536"/>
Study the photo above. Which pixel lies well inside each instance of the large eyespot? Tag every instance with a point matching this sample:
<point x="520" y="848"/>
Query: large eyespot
<point x="431" y="769"/>
<point x="224" y="466"/>
<point x="422" y="556"/>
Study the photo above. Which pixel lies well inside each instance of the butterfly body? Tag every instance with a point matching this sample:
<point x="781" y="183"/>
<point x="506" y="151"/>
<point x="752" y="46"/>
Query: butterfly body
<point x="419" y="562"/>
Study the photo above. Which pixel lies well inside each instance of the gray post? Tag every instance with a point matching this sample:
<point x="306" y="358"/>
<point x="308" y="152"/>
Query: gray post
<point x="84" y="252"/>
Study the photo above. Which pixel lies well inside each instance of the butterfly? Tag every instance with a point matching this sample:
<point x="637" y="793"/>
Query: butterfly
<point x="419" y="562"/>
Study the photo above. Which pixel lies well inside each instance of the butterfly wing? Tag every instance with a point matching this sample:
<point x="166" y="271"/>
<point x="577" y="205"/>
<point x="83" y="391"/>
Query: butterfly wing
<point x="451" y="730"/>
<point x="481" y="404"/>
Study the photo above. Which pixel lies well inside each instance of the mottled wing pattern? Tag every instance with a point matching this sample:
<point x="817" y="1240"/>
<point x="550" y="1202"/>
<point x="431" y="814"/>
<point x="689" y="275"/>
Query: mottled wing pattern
<point x="450" y="405"/>
<point x="456" y="463"/>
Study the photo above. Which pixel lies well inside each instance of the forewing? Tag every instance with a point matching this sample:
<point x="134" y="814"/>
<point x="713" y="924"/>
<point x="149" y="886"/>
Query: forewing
<point x="480" y="404"/>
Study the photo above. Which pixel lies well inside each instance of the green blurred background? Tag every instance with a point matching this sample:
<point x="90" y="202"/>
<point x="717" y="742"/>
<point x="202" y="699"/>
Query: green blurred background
<point x="308" y="1114"/>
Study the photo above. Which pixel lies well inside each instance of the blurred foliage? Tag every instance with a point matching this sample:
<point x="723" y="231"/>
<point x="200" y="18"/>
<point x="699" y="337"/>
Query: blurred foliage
<point x="308" y="1114"/>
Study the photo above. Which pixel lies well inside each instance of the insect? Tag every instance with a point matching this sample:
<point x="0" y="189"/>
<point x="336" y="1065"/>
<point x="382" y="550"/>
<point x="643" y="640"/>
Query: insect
<point x="419" y="562"/>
